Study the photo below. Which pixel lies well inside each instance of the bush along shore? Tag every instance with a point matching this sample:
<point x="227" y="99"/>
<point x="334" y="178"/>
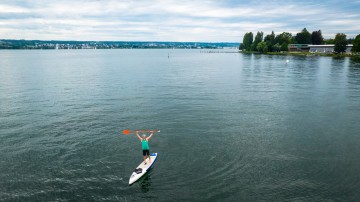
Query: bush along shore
<point x="279" y="44"/>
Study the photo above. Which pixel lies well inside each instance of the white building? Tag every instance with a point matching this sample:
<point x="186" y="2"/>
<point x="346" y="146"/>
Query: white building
<point x="327" y="48"/>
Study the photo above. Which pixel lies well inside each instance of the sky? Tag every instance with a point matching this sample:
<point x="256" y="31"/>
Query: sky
<point x="173" y="20"/>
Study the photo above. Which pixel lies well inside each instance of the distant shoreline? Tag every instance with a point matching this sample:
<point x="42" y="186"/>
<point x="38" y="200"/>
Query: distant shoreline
<point x="52" y="44"/>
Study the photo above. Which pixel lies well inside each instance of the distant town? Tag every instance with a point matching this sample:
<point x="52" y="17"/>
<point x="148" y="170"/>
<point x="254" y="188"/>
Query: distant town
<point x="39" y="44"/>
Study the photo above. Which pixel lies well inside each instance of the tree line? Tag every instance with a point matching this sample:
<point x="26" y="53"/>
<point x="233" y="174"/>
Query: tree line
<point x="280" y="42"/>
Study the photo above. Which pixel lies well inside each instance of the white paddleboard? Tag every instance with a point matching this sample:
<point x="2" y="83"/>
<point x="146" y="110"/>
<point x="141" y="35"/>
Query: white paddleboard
<point x="142" y="169"/>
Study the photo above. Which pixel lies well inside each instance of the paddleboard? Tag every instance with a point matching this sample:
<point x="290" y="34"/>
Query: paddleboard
<point x="142" y="168"/>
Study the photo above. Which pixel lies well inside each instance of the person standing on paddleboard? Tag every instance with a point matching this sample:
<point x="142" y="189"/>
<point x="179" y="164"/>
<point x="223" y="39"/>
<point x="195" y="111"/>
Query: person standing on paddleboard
<point x="145" y="145"/>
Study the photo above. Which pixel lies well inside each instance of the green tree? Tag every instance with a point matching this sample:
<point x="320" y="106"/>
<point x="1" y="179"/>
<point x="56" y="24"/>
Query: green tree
<point x="262" y="47"/>
<point x="284" y="47"/>
<point x="303" y="37"/>
<point x="242" y="46"/>
<point x="340" y="43"/>
<point x="284" y="37"/>
<point x="258" y="39"/>
<point x="270" y="41"/>
<point x="276" y="47"/>
<point x="329" y="41"/>
<point x="356" y="44"/>
<point x="317" y="38"/>
<point x="247" y="41"/>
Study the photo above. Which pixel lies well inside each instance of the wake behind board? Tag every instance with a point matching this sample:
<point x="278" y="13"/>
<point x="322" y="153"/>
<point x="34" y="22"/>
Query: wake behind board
<point x="142" y="168"/>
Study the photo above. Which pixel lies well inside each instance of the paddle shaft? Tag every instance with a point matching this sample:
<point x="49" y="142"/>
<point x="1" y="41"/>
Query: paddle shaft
<point x="147" y="131"/>
<point x="128" y="132"/>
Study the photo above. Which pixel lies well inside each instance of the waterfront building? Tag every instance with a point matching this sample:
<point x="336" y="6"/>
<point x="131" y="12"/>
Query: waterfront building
<point x="298" y="47"/>
<point x="328" y="48"/>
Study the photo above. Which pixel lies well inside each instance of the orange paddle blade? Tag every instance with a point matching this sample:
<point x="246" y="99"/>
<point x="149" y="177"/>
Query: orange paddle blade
<point x="126" y="132"/>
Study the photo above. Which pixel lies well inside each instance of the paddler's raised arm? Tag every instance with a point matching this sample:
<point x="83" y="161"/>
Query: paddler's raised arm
<point x="137" y="134"/>
<point x="151" y="134"/>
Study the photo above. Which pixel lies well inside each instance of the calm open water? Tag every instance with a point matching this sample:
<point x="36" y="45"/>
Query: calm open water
<point x="234" y="127"/>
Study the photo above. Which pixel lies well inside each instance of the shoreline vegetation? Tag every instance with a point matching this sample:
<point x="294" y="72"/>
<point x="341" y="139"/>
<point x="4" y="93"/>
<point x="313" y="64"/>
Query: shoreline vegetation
<point x="335" y="55"/>
<point x="273" y="44"/>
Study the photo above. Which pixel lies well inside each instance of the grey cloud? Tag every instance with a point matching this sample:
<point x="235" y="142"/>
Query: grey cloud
<point x="8" y="16"/>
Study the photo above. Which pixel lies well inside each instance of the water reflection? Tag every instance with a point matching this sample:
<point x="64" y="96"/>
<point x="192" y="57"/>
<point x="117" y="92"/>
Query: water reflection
<point x="145" y="183"/>
<point x="355" y="60"/>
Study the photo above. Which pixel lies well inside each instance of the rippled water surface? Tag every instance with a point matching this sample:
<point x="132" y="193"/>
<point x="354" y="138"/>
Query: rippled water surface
<point x="234" y="127"/>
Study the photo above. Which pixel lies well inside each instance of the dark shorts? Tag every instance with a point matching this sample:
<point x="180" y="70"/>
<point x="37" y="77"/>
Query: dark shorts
<point x="146" y="153"/>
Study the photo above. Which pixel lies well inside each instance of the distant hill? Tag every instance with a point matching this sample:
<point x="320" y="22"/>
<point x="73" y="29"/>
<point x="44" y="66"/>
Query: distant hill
<point x="39" y="44"/>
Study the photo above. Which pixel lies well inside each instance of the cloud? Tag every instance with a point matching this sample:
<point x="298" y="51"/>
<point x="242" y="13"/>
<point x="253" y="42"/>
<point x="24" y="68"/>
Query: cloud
<point x="157" y="20"/>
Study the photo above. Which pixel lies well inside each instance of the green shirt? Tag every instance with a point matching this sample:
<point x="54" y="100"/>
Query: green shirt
<point x="144" y="144"/>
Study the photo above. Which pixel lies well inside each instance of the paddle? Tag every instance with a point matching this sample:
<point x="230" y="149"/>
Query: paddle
<point x="128" y="132"/>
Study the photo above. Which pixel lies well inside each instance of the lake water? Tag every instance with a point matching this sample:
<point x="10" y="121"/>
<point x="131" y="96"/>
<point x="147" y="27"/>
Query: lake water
<point x="234" y="127"/>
